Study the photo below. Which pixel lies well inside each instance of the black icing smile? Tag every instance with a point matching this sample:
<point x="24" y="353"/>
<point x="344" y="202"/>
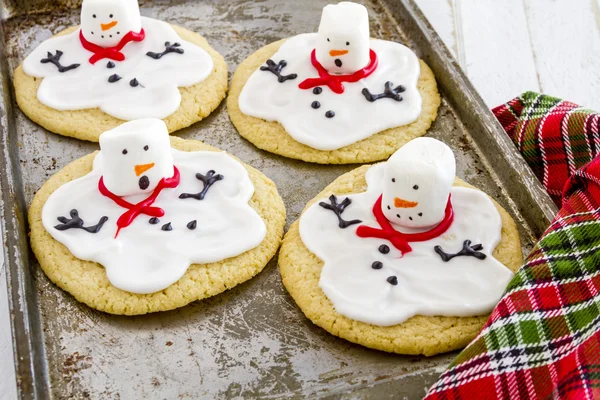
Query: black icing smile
<point x="144" y="182"/>
<point x="338" y="62"/>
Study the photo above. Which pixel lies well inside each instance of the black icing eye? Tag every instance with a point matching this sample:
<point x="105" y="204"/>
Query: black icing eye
<point x="398" y="215"/>
<point x="124" y="151"/>
<point x="416" y="187"/>
<point x="347" y="43"/>
<point x="389" y="208"/>
<point x="146" y="147"/>
<point x="94" y="15"/>
<point x="328" y="40"/>
<point x="92" y="32"/>
<point x="393" y="179"/>
<point x="110" y="16"/>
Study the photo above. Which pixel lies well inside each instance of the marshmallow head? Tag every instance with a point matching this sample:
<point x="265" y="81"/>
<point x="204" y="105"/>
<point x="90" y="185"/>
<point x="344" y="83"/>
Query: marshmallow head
<point x="136" y="156"/>
<point x="343" y="41"/>
<point x="106" y="22"/>
<point x="417" y="182"/>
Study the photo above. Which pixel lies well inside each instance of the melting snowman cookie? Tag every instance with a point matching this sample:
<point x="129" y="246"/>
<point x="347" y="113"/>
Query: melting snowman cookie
<point x="149" y="231"/>
<point x="412" y="244"/>
<point x="128" y="66"/>
<point x="336" y="87"/>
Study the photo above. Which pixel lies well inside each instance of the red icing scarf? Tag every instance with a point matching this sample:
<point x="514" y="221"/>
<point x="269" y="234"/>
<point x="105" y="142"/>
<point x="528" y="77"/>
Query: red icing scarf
<point x="335" y="81"/>
<point x="398" y="239"/>
<point x="144" y="206"/>
<point x="114" y="53"/>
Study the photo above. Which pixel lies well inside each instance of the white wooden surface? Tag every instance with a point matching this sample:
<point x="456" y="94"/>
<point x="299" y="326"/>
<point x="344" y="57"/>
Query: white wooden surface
<point x="506" y="47"/>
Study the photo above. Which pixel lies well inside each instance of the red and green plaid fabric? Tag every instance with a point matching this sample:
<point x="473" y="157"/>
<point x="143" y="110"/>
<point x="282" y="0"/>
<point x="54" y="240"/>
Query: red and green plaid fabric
<point x="555" y="137"/>
<point x="542" y="340"/>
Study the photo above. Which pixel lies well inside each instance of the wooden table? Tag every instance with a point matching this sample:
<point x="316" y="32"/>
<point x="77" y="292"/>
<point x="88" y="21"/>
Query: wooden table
<point x="506" y="47"/>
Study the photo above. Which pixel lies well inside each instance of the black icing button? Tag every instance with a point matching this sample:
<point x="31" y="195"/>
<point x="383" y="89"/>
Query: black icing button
<point x="330" y="114"/>
<point x="110" y="64"/>
<point x="377" y="265"/>
<point x="392" y="280"/>
<point x="167" y="227"/>
<point x="315" y="104"/>
<point x="317" y="90"/>
<point x="192" y="225"/>
<point x="134" y="82"/>
<point x="384" y="249"/>
<point x="154" y="220"/>
<point x="114" y="78"/>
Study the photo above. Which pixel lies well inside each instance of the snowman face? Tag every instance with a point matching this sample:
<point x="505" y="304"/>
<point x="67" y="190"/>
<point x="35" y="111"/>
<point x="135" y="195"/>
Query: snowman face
<point x="106" y="22"/>
<point x="136" y="156"/>
<point x="343" y="40"/>
<point x="417" y="182"/>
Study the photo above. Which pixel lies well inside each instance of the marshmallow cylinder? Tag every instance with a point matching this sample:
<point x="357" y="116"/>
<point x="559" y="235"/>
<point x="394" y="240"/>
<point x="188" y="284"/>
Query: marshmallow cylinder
<point x="136" y="156"/>
<point x="343" y="43"/>
<point x="106" y="22"/>
<point x="417" y="182"/>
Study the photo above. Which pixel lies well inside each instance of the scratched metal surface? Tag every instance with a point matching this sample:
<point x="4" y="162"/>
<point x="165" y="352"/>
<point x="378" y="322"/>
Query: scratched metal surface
<point x="251" y="341"/>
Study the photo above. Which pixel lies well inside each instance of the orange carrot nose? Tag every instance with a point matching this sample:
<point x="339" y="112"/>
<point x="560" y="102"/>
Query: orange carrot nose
<point x="141" y="168"/>
<point x="401" y="203"/>
<point x="106" y="27"/>
<point x="334" y="53"/>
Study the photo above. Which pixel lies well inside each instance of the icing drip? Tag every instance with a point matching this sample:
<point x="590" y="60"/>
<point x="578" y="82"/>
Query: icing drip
<point x="207" y="180"/>
<point x="170" y="48"/>
<point x="338" y="209"/>
<point x="389" y="92"/>
<point x="467" y="250"/>
<point x="392" y="280"/>
<point x="77" y="222"/>
<point x="276" y="70"/>
<point x="55" y="59"/>
<point x="192" y="225"/>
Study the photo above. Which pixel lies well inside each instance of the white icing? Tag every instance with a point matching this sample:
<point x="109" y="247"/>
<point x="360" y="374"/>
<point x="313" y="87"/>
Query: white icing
<point x="156" y="96"/>
<point x="355" y="117"/>
<point x="464" y="286"/>
<point x="422" y="171"/>
<point x="105" y="22"/>
<point x="144" y="258"/>
<point x="344" y="27"/>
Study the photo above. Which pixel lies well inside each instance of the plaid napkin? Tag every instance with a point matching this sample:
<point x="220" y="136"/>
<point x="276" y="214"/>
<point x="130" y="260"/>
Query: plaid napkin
<point x="555" y="137"/>
<point x="543" y="338"/>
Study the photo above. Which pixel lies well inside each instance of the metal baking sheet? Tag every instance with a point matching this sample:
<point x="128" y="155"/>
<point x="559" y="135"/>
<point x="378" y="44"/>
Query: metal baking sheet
<point x="251" y="341"/>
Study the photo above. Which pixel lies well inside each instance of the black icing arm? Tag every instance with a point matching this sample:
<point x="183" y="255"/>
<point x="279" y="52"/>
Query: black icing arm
<point x="55" y="59"/>
<point x="207" y="180"/>
<point x="389" y="92"/>
<point x="75" y="222"/>
<point x="276" y="70"/>
<point x="338" y="209"/>
<point x="169" y="48"/>
<point x="467" y="250"/>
